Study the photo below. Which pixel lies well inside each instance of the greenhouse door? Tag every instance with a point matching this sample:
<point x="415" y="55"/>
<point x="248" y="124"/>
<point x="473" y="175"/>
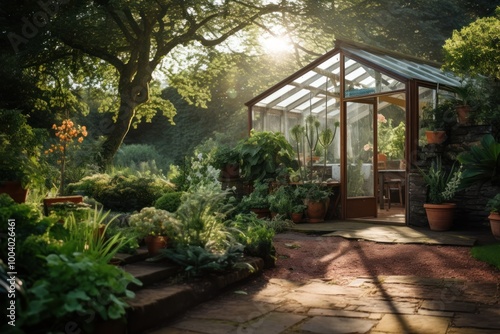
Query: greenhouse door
<point x="359" y="158"/>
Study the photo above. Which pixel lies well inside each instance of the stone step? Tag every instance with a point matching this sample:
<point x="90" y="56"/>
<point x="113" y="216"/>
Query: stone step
<point x="159" y="302"/>
<point x="150" y="272"/>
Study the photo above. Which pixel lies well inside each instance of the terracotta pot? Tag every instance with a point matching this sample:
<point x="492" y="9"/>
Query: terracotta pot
<point x="495" y="224"/>
<point x="435" y="137"/>
<point x="316" y="210"/>
<point x="297" y="217"/>
<point x="15" y="190"/>
<point x="440" y="216"/>
<point x="262" y="213"/>
<point x="154" y="243"/>
<point x="463" y="113"/>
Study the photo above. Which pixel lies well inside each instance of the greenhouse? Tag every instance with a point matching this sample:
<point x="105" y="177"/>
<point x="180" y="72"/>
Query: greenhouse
<point x="378" y="99"/>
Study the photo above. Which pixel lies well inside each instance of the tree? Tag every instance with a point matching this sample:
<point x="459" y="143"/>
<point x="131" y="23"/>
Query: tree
<point x="475" y="49"/>
<point x="133" y="37"/>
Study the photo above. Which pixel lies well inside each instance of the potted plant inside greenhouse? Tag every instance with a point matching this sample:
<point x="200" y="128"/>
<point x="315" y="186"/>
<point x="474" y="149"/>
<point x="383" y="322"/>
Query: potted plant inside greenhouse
<point x="281" y="201"/>
<point x="442" y="186"/>
<point x="154" y="225"/>
<point x="257" y="201"/>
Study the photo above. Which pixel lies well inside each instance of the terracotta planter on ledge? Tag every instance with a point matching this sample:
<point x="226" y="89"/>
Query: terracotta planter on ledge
<point x="155" y="243"/>
<point x="440" y="216"/>
<point x="435" y="137"/>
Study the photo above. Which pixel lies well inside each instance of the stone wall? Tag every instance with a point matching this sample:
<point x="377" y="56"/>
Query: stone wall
<point x="471" y="202"/>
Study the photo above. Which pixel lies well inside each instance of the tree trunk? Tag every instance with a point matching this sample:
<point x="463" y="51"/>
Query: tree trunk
<point x="131" y="96"/>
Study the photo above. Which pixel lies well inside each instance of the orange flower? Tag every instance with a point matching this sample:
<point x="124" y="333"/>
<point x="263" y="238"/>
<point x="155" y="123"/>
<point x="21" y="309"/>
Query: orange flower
<point x="80" y="139"/>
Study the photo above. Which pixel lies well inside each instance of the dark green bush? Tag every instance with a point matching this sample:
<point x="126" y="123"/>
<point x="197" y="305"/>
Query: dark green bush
<point x="123" y="192"/>
<point x="169" y="201"/>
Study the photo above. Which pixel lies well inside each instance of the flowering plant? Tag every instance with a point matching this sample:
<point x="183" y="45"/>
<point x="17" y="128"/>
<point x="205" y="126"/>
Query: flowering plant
<point x="151" y="221"/>
<point x="66" y="133"/>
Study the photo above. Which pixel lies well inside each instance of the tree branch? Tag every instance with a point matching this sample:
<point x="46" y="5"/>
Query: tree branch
<point x="94" y="51"/>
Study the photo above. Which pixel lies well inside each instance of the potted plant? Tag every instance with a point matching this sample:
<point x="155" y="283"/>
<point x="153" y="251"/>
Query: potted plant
<point x="154" y="225"/>
<point x="464" y="97"/>
<point x="263" y="153"/>
<point x="227" y="159"/>
<point x="281" y="201"/>
<point x="257" y="201"/>
<point x="494" y="208"/>
<point x="317" y="199"/>
<point x="20" y="148"/>
<point x="442" y="186"/>
<point x="436" y="121"/>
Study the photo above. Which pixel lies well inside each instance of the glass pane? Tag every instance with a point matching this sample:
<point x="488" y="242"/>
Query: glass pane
<point x="360" y="175"/>
<point x="363" y="80"/>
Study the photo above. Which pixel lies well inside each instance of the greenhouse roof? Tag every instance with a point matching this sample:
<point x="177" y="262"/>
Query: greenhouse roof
<point x="367" y="69"/>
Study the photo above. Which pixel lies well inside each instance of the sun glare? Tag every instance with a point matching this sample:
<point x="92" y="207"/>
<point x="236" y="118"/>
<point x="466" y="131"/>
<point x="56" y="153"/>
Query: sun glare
<point x="275" y="44"/>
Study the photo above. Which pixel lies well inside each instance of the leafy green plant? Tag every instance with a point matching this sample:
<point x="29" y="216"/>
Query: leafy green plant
<point x="493" y="204"/>
<point x="85" y="237"/>
<point x="262" y="153"/>
<point x="256" y="235"/>
<point x="481" y="164"/>
<point x="20" y="148"/>
<point x="225" y="154"/>
<point x="198" y="261"/>
<point x="257" y="199"/>
<point x="152" y="221"/>
<point x="123" y="191"/>
<point x="441" y="184"/>
<point x="169" y="201"/>
<point x="315" y="191"/>
<point x="77" y="286"/>
<point x="442" y="117"/>
<point x="281" y="200"/>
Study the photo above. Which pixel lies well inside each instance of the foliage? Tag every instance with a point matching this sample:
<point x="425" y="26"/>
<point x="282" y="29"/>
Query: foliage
<point x="474" y="48"/>
<point x="151" y="221"/>
<point x="482" y="163"/>
<point x="281" y="200"/>
<point x="355" y="181"/>
<point x="123" y="191"/>
<point x="440" y="118"/>
<point x="262" y="153"/>
<point x="20" y="147"/>
<point x="199" y="221"/>
<point x="77" y="285"/>
<point x="391" y="139"/>
<point x="225" y="155"/>
<point x="169" y="201"/>
<point x="257" y="199"/>
<point x="140" y="157"/>
<point x="441" y="184"/>
<point x="198" y="261"/>
<point x="257" y="237"/>
<point x="85" y="237"/>
<point x="63" y="209"/>
<point x="65" y="133"/>
<point x="28" y="218"/>
<point x="316" y="191"/>
<point x="487" y="253"/>
<point x="493" y="204"/>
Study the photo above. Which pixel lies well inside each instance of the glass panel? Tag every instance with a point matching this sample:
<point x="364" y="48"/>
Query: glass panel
<point x="363" y="80"/>
<point x="360" y="139"/>
<point x="391" y="127"/>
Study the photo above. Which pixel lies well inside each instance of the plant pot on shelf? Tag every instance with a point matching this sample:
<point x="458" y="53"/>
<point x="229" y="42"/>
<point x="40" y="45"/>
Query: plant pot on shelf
<point x="15" y="190"/>
<point x="494" y="218"/>
<point x="440" y="216"/>
<point x="435" y="137"/>
<point x="463" y="113"/>
<point x="155" y="243"/>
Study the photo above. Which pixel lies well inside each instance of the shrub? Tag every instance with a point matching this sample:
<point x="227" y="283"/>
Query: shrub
<point x="140" y="157"/>
<point x="169" y="201"/>
<point x="124" y="192"/>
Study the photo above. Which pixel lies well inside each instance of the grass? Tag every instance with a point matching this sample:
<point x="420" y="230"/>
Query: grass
<point x="487" y="253"/>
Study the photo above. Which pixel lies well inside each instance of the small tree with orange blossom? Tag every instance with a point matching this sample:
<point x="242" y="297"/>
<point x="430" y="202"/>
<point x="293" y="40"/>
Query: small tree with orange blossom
<point x="66" y="133"/>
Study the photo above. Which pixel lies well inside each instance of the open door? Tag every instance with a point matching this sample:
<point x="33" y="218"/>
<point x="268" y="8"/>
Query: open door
<point x="359" y="163"/>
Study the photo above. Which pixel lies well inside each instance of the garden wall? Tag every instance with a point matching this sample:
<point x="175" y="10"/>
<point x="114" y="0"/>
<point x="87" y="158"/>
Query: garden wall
<point x="471" y="202"/>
